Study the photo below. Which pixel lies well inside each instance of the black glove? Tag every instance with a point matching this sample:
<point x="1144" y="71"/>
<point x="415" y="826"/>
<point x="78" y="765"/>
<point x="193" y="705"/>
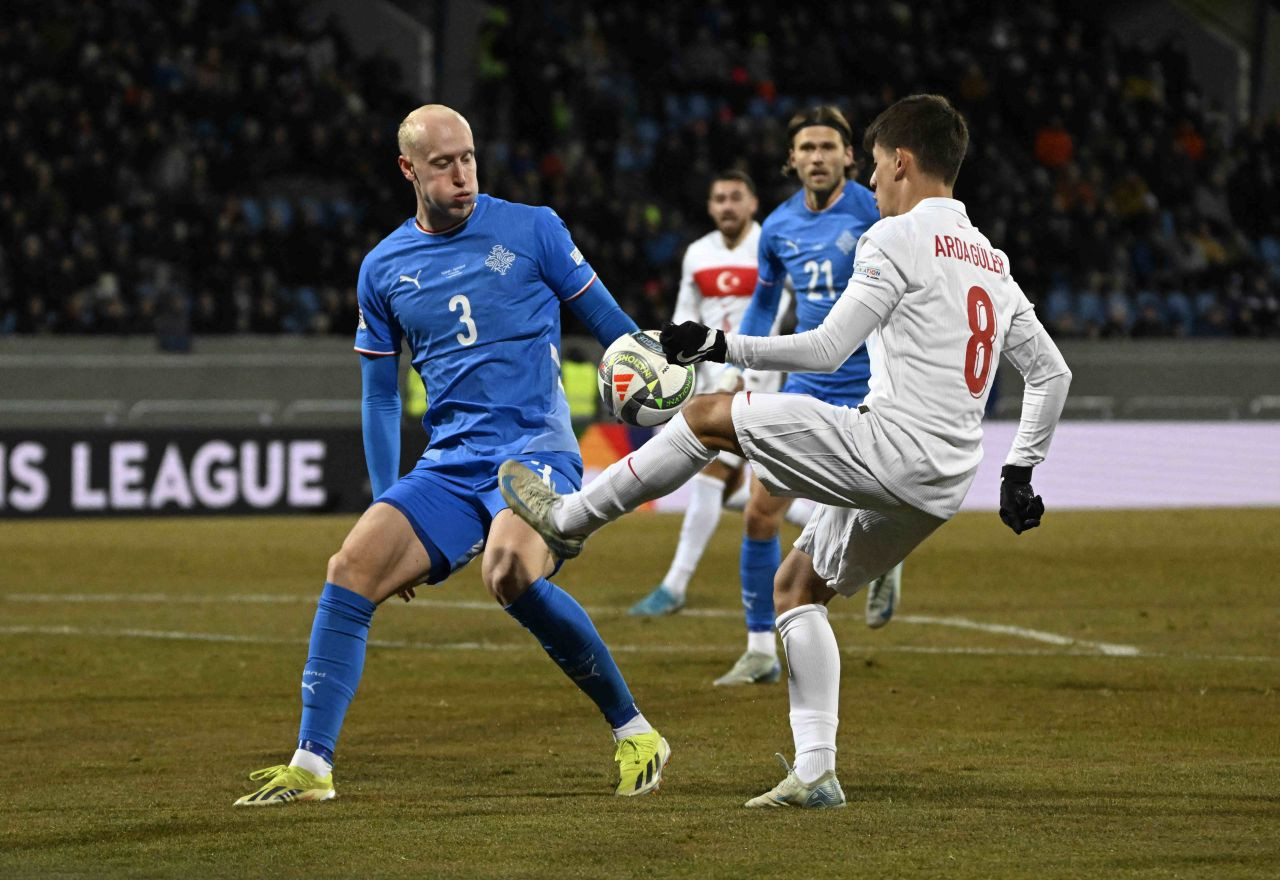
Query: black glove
<point x="691" y="343"/>
<point x="1020" y="507"/>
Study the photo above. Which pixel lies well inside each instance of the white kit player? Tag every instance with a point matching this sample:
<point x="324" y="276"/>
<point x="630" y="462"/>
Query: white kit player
<point x="937" y="304"/>
<point x="718" y="275"/>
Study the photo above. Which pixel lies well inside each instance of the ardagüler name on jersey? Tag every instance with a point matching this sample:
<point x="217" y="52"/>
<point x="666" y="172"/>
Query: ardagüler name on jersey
<point x="959" y="249"/>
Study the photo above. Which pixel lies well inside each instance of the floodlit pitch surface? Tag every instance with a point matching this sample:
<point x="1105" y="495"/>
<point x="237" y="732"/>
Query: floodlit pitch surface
<point x="1098" y="698"/>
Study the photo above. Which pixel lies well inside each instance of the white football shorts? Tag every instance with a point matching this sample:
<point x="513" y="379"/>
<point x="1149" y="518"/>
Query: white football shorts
<point x="802" y="447"/>
<point x="708" y="382"/>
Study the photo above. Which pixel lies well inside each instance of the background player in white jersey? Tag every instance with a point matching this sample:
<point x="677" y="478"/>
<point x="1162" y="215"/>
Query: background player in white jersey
<point x="938" y="304"/>
<point x="718" y="275"/>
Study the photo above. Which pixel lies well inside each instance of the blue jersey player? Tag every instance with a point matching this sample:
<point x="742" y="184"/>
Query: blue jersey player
<point x="475" y="285"/>
<point x="810" y="237"/>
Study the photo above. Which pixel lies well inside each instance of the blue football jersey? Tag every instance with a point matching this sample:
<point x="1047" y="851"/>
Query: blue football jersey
<point x="816" y="248"/>
<point x="480" y="308"/>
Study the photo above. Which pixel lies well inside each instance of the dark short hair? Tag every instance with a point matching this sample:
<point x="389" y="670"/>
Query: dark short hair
<point x="934" y="131"/>
<point x="734" y="174"/>
<point x="821" y="114"/>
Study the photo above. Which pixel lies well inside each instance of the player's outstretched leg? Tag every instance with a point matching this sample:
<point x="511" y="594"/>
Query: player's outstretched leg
<point x="564" y="521"/>
<point x="567" y="634"/>
<point x="335" y="663"/>
<point x="380" y="555"/>
<point x="883" y="595"/>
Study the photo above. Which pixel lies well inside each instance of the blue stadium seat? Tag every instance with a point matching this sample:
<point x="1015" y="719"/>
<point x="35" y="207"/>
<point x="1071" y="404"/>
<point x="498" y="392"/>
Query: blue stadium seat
<point x="1057" y="304"/>
<point x="254" y="216"/>
<point x="1118" y="303"/>
<point x="1269" y="253"/>
<point x="1149" y="298"/>
<point x="1179" y="311"/>
<point x="1089" y="308"/>
<point x="283" y="210"/>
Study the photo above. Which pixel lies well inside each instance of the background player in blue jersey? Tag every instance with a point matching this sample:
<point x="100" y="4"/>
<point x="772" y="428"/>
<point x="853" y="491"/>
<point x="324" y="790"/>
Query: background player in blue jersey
<point x="810" y="237"/>
<point x="475" y="285"/>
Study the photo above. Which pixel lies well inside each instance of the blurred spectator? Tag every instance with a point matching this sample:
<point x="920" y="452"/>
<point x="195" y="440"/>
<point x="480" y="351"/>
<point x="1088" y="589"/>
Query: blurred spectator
<point x="199" y="152"/>
<point x="1090" y="156"/>
<point x="238" y="159"/>
<point x="1054" y="146"/>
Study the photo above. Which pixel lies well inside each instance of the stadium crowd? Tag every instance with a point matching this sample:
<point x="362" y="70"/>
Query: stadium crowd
<point x="224" y="167"/>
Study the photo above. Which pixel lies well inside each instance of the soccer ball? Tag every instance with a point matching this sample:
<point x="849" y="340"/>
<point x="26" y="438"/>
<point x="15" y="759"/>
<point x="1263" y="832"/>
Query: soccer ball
<point x="637" y="384"/>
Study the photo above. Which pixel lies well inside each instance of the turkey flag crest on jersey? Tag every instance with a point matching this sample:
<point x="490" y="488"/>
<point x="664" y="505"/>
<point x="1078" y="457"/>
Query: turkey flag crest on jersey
<point x="716" y="281"/>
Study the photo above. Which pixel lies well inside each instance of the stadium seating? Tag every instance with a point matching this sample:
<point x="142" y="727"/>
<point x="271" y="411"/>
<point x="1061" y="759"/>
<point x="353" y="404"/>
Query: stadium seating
<point x="210" y="171"/>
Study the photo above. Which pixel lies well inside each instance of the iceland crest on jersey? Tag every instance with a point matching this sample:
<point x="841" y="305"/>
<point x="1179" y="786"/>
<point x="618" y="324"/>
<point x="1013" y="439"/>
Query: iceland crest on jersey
<point x="846" y="242"/>
<point x="500" y="259"/>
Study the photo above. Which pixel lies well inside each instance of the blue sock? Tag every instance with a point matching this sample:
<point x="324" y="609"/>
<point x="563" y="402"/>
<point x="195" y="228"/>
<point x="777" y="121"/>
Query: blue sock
<point x="334" y="664"/>
<point x="569" y="637"/>
<point x="757" y="566"/>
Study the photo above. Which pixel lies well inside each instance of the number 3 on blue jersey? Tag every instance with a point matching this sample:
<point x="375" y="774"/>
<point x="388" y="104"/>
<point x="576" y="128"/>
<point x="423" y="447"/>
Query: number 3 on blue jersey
<point x="460" y="302"/>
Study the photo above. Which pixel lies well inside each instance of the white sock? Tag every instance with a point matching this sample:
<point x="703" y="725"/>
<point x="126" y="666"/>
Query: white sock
<point x="813" y="659"/>
<point x="810" y="765"/>
<point x="700" y="521"/>
<point x="738" y="499"/>
<point x="311" y="762"/>
<point x="762" y="643"/>
<point x="655" y="469"/>
<point x="631" y="728"/>
<point x="799" y="512"/>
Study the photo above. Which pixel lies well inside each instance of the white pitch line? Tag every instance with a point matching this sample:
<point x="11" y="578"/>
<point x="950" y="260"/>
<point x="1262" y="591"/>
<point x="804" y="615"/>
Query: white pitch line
<point x="496" y="647"/>
<point x="1022" y="632"/>
<point x="1035" y="635"/>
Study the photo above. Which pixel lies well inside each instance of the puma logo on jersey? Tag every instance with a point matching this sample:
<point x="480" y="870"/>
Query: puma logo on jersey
<point x="413" y="280"/>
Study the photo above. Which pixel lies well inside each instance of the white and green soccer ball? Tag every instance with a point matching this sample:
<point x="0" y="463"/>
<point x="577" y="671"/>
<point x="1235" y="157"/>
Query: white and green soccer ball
<point x="637" y="384"/>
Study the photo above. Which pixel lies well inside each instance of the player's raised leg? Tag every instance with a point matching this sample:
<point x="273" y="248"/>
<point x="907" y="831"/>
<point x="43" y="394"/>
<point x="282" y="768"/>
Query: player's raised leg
<point x="515" y="569"/>
<point x="665" y="462"/>
<point x="380" y="556"/>
<point x="708" y="491"/>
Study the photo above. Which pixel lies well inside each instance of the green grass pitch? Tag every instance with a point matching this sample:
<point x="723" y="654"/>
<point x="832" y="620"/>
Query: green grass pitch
<point x="1097" y="698"/>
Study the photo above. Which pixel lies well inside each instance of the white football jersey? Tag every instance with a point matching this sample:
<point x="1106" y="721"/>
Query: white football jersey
<point x="716" y="282"/>
<point x="948" y="308"/>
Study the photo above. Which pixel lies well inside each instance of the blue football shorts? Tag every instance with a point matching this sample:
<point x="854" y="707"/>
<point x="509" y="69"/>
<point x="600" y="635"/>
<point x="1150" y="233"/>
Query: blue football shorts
<point x="452" y="504"/>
